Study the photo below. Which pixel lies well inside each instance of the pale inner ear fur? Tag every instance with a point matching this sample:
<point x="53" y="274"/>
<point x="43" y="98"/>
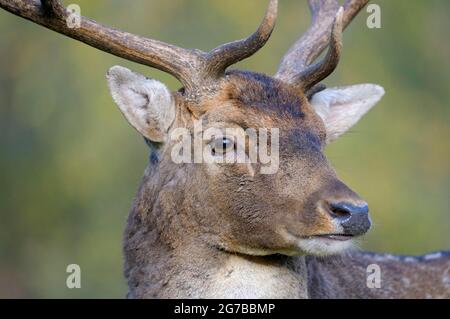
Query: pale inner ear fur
<point x="342" y="107"/>
<point x="147" y="104"/>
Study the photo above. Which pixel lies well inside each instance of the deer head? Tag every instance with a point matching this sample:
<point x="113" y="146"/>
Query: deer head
<point x="302" y="207"/>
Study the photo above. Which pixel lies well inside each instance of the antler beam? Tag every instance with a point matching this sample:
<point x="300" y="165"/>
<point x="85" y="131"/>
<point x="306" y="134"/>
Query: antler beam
<point x="52" y="15"/>
<point x="315" y="73"/>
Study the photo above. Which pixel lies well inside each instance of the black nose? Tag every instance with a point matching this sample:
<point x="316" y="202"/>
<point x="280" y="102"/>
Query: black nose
<point x="354" y="219"/>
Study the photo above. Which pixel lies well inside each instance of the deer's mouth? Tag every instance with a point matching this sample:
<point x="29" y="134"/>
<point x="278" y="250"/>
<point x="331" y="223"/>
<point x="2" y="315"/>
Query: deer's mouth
<point x="330" y="236"/>
<point x="338" y="237"/>
<point x="321" y="244"/>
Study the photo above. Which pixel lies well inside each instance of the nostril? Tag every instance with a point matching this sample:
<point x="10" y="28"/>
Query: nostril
<point x="340" y="211"/>
<point x="354" y="219"/>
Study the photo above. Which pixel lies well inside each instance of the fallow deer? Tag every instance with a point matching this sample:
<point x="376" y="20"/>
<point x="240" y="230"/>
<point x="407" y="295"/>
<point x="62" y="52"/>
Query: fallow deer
<point x="225" y="230"/>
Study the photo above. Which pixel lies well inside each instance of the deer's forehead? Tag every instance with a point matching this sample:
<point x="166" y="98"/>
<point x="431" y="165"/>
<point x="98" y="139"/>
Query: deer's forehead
<point x="252" y="100"/>
<point x="258" y="100"/>
<point x="261" y="91"/>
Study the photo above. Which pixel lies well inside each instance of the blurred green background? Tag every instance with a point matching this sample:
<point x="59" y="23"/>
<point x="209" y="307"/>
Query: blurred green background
<point x="70" y="165"/>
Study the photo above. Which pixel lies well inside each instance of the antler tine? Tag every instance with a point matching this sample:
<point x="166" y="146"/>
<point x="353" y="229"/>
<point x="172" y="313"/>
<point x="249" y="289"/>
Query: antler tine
<point x="296" y="64"/>
<point x="313" y="41"/>
<point x="315" y="73"/>
<point x="351" y="10"/>
<point x="228" y="54"/>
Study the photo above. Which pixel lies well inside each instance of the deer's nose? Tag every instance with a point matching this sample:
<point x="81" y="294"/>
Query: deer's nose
<point x="354" y="219"/>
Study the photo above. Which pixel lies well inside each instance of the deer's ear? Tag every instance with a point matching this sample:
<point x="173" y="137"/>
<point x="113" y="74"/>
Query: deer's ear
<point x="342" y="107"/>
<point x="147" y="104"/>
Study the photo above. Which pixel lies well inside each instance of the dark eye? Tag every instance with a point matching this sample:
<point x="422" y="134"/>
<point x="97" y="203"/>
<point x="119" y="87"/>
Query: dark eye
<point x="222" y="145"/>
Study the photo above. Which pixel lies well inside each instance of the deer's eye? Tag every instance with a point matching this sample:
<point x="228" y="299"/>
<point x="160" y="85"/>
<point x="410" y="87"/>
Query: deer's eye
<point x="222" y="145"/>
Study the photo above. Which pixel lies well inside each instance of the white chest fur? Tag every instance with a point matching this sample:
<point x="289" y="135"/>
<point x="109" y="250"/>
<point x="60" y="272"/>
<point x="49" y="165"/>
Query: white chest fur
<point x="243" y="278"/>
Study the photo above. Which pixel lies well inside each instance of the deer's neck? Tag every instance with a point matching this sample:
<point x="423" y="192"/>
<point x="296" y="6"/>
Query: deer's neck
<point x="167" y="256"/>
<point x="159" y="266"/>
<point x="155" y="269"/>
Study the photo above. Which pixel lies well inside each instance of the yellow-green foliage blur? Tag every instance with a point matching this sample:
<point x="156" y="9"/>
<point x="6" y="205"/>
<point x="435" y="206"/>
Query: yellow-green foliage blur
<point x="70" y="164"/>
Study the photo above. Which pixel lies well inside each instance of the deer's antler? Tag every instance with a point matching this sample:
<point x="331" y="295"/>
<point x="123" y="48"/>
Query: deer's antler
<point x="328" y="22"/>
<point x="193" y="68"/>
